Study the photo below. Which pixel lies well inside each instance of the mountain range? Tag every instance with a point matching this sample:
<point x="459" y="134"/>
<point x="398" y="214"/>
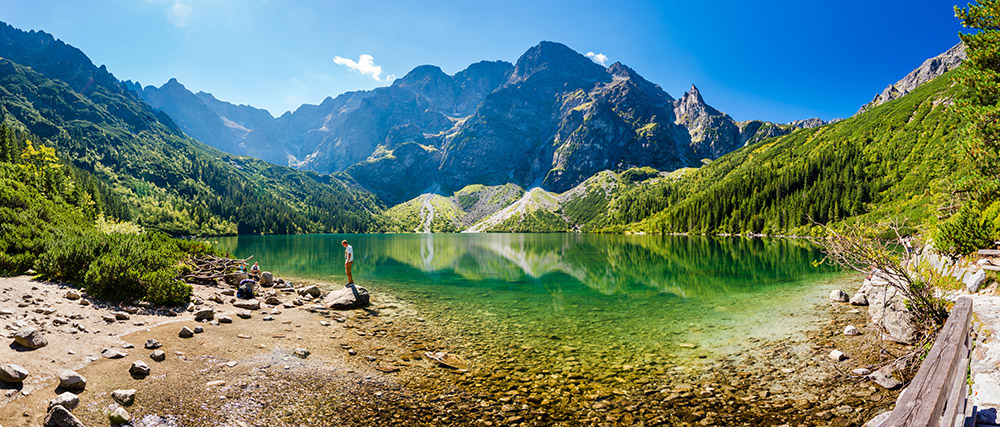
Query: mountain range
<point x="553" y="142"/>
<point x="562" y="116"/>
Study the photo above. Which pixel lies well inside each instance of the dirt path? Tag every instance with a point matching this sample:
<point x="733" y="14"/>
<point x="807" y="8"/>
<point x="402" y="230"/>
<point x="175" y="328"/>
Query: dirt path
<point x="426" y="215"/>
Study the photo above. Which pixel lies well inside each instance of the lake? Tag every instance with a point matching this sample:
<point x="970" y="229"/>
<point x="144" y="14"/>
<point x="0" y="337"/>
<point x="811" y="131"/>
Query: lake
<point x="600" y="299"/>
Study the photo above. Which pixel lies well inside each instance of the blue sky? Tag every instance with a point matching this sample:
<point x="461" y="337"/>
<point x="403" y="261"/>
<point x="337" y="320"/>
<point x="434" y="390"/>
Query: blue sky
<point x="771" y="60"/>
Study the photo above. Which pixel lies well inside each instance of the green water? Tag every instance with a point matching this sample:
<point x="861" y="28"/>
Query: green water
<point x="586" y="299"/>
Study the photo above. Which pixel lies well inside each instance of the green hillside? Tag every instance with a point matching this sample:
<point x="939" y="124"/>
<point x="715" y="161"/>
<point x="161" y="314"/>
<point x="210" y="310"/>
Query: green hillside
<point x="896" y="159"/>
<point x="168" y="181"/>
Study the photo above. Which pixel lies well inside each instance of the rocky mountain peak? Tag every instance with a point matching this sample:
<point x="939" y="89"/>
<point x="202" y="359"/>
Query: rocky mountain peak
<point x="552" y="61"/>
<point x="929" y="70"/>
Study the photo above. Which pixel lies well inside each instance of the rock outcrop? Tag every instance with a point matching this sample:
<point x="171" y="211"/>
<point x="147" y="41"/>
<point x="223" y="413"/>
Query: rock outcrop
<point x="926" y="72"/>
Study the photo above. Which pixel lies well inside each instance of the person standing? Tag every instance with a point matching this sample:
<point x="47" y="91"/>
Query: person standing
<point x="348" y="261"/>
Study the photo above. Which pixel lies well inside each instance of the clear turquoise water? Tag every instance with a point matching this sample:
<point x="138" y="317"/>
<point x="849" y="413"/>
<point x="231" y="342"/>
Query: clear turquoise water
<point x="604" y="298"/>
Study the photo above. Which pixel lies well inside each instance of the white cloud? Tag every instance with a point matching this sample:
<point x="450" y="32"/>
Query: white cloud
<point x="178" y="13"/>
<point x="364" y="65"/>
<point x="599" y="58"/>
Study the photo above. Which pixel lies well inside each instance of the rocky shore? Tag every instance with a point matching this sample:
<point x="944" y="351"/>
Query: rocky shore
<point x="289" y="364"/>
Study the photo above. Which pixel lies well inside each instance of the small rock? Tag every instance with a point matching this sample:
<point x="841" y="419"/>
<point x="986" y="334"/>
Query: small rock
<point x="312" y="290"/>
<point x="84" y="302"/>
<point x="11" y="373"/>
<point x="70" y="380"/>
<point x="108" y="318"/>
<point x="198" y="329"/>
<point x="72" y="295"/>
<point x="125" y="397"/>
<point x="266" y="279"/>
<point x="228" y="292"/>
<point x="249" y="304"/>
<point x="185" y="332"/>
<point x="119" y="416"/>
<point x="30" y="337"/>
<point x="243" y="314"/>
<point x="859" y="299"/>
<point x="58" y="416"/>
<point x="301" y="353"/>
<point x="121" y="315"/>
<point x="268" y="318"/>
<point x="837" y="355"/>
<point x="838" y="296"/>
<point x="139" y="369"/>
<point x="67" y="400"/>
<point x="204" y="314"/>
<point x="128" y="345"/>
<point x="851" y="330"/>
<point x="112" y="354"/>
<point x="215" y="383"/>
<point x="861" y="372"/>
<point x="884" y="378"/>
<point x="272" y="300"/>
<point x="152" y="344"/>
<point x="225" y="319"/>
<point x="158" y="356"/>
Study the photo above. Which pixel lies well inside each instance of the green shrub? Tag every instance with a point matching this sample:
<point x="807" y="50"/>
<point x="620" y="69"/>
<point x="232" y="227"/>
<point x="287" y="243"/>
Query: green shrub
<point x="966" y="231"/>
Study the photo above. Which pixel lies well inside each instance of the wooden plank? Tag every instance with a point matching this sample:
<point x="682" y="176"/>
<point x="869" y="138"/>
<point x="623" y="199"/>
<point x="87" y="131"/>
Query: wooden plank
<point x="954" y="411"/>
<point x="989" y="252"/>
<point x="923" y="401"/>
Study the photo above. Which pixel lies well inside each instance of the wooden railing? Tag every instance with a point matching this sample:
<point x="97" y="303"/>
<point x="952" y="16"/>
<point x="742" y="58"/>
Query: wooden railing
<point x="938" y="393"/>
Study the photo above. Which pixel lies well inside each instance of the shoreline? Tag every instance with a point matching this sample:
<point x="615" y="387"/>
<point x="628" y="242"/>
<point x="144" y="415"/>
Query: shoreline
<point x="389" y="335"/>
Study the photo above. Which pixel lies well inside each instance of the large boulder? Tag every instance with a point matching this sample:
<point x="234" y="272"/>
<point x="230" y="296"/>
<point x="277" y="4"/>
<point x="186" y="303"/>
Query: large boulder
<point x="236" y="278"/>
<point x="973" y="281"/>
<point x="11" y="373"/>
<point x="59" y="416"/>
<point x="887" y="309"/>
<point x="70" y="380"/>
<point x="266" y="279"/>
<point x="347" y="298"/>
<point x="30" y="337"/>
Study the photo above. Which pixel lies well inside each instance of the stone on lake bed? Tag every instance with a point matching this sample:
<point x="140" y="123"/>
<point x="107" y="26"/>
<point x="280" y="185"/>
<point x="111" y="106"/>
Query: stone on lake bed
<point x="11" y="373"/>
<point x="119" y="416"/>
<point x="884" y="378"/>
<point x="838" y="296"/>
<point x="125" y="397"/>
<point x="67" y="400"/>
<point x="152" y="344"/>
<point x="851" y="330"/>
<point x="215" y="383"/>
<point x="301" y="353"/>
<point x="70" y="380"/>
<point x="198" y="329"/>
<point x="687" y="345"/>
<point x="244" y="314"/>
<point x="448" y="360"/>
<point x="225" y="319"/>
<point x="30" y="338"/>
<point x="185" y="332"/>
<point x="72" y="295"/>
<point x="837" y="355"/>
<point x="158" y="356"/>
<point x="860" y="372"/>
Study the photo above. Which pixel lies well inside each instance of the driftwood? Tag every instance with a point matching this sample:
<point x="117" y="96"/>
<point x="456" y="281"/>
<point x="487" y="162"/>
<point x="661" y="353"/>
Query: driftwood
<point x="209" y="269"/>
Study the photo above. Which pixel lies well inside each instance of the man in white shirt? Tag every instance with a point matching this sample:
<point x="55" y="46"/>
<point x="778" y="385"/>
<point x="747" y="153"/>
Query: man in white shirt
<point x="348" y="261"/>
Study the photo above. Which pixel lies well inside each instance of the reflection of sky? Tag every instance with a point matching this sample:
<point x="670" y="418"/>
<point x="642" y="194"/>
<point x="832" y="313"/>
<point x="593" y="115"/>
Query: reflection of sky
<point x="608" y="264"/>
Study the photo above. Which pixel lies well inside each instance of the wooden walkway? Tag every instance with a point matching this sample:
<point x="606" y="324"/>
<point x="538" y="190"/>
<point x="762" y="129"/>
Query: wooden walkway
<point x="938" y="394"/>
